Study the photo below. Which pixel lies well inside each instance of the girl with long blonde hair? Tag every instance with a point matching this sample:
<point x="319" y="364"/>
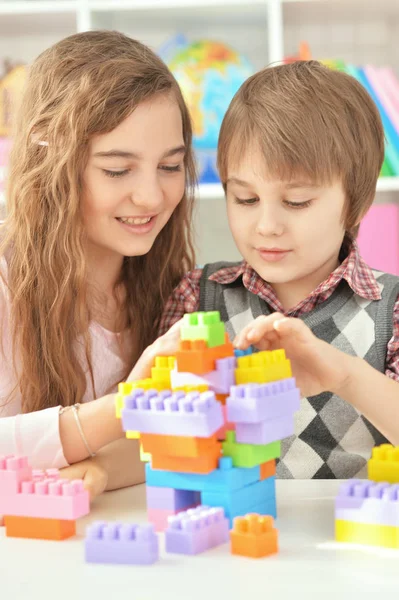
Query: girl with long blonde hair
<point x="96" y="237"/>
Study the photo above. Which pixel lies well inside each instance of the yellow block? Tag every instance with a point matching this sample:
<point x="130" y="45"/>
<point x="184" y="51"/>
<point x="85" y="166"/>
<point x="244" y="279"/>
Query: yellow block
<point x="192" y="388"/>
<point x="384" y="464"/>
<point x="263" y="367"/>
<point x="125" y="388"/>
<point x="161" y="371"/>
<point x="119" y="404"/>
<point x="386" y="536"/>
<point x="133" y="435"/>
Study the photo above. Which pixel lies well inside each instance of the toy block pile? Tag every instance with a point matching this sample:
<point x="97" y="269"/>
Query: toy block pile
<point x="38" y="504"/>
<point x="210" y="422"/>
<point x="367" y="511"/>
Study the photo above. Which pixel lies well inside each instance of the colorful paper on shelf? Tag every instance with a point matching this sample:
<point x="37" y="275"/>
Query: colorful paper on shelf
<point x="379" y="238"/>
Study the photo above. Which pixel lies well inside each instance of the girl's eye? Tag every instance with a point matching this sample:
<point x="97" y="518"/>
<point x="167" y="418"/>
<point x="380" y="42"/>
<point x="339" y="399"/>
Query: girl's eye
<point x="298" y="205"/>
<point x="115" y="173"/>
<point x="246" y="201"/>
<point x="170" y="168"/>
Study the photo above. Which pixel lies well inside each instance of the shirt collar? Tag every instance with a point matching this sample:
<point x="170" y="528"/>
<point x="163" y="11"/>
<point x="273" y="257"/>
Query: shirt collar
<point x="353" y="269"/>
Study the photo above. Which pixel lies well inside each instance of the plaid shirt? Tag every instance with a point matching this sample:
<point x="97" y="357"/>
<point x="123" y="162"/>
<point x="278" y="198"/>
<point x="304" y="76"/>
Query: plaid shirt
<point x="359" y="276"/>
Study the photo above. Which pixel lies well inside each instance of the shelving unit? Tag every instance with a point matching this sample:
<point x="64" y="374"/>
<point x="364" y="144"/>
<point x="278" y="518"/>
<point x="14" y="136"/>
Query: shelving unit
<point x="358" y="31"/>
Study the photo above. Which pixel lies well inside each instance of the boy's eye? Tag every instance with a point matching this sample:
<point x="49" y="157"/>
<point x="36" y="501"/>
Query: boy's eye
<point x="170" y="168"/>
<point x="115" y="173"/>
<point x="246" y="201"/>
<point x="297" y="205"/>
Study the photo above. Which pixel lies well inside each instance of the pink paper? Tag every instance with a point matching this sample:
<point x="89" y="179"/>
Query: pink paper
<point x="379" y="238"/>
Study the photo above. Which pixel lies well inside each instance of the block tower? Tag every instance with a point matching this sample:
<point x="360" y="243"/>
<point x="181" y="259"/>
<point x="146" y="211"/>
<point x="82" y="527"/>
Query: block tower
<point x="210" y="422"/>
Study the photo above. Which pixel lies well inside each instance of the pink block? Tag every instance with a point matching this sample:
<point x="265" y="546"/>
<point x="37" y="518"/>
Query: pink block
<point x="159" y="516"/>
<point x="379" y="238"/>
<point x="13" y="471"/>
<point x="27" y="493"/>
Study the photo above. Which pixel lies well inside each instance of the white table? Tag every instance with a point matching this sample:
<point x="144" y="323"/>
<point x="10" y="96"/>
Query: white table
<point x="309" y="565"/>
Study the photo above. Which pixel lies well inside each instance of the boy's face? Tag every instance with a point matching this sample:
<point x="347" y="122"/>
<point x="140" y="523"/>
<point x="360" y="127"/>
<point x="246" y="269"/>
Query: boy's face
<point x="290" y="232"/>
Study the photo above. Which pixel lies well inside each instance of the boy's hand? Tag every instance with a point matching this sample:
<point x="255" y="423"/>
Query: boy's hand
<point x="166" y="345"/>
<point x="95" y="477"/>
<point x="316" y="366"/>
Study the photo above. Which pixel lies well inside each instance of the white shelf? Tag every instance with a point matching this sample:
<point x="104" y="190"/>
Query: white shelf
<point x="113" y="5"/>
<point x="214" y="191"/>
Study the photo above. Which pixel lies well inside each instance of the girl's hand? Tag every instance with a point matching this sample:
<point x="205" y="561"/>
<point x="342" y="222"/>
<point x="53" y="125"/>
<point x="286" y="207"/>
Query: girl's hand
<point x="166" y="345"/>
<point x="316" y="366"/>
<point x="95" y="477"/>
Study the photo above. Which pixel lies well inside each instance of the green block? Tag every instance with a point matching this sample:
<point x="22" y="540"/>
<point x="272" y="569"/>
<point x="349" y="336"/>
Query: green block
<point x="204" y="326"/>
<point x="249" y="455"/>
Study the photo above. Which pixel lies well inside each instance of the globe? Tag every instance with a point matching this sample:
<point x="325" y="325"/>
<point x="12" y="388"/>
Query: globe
<point x="209" y="74"/>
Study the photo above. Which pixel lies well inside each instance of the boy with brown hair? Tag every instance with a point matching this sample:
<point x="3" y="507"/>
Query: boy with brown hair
<point x="300" y="152"/>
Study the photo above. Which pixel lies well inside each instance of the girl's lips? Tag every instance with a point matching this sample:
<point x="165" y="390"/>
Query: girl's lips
<point x="273" y="255"/>
<point x="138" y="229"/>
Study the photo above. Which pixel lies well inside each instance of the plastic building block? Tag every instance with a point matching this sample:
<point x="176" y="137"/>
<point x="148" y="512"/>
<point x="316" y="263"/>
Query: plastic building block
<point x="162" y="369"/>
<point x="367" y="534"/>
<point x="133" y="435"/>
<point x="1" y="521"/>
<point x="171" y="499"/>
<point x="253" y="403"/>
<point x="195" y="356"/>
<point x="244" y="500"/>
<point x="263" y="367"/>
<point x="368" y="502"/>
<point x="254" y="536"/>
<point x="118" y="543"/>
<point x="194" y="414"/>
<point x="384" y="464"/>
<point x="265" y="432"/>
<point x="219" y="380"/>
<point x="204" y="464"/>
<point x="39" y="529"/>
<point x="225" y="477"/>
<point x="45" y="495"/>
<point x="267" y="469"/>
<point x="196" y="530"/>
<point x="159" y="517"/>
<point x="191" y="388"/>
<point x="178" y="445"/>
<point x="238" y="353"/>
<point x="203" y="326"/>
<point x="13" y="471"/>
<point x="249" y="455"/>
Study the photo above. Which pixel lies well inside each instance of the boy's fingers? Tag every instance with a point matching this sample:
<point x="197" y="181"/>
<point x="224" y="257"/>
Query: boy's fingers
<point x="254" y="332"/>
<point x="293" y="326"/>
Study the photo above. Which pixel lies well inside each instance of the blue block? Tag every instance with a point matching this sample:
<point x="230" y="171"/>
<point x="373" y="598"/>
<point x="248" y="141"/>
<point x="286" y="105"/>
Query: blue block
<point x="238" y="353"/>
<point x="245" y="499"/>
<point x="224" y="478"/>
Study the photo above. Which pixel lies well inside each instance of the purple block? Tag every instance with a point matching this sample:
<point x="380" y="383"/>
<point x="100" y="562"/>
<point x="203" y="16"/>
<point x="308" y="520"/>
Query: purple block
<point x="354" y="493"/>
<point x="265" y="432"/>
<point x="171" y="499"/>
<point x="119" y="543"/>
<point x="194" y="414"/>
<point x="256" y="402"/>
<point x="196" y="530"/>
<point x="219" y="381"/>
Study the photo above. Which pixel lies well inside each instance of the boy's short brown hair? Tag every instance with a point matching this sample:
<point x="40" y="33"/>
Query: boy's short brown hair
<point x="311" y="121"/>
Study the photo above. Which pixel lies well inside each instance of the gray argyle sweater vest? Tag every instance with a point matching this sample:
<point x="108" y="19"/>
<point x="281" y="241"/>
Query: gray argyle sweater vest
<point x="331" y="440"/>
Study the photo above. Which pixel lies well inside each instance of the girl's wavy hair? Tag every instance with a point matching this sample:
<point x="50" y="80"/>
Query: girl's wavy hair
<point x="83" y="86"/>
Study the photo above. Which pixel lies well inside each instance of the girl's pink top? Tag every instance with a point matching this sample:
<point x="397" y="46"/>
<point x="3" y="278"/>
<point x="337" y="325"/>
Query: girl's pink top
<point x="36" y="434"/>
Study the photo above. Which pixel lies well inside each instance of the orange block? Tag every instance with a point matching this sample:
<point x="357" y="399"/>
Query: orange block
<point x="176" y="445"/>
<point x="267" y="469"/>
<point x="201" y="464"/>
<point x="39" y="529"/>
<point x="194" y="356"/>
<point x="254" y="536"/>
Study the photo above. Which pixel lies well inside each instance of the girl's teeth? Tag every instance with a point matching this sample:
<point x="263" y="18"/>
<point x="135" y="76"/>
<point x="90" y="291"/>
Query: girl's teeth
<point x="134" y="220"/>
